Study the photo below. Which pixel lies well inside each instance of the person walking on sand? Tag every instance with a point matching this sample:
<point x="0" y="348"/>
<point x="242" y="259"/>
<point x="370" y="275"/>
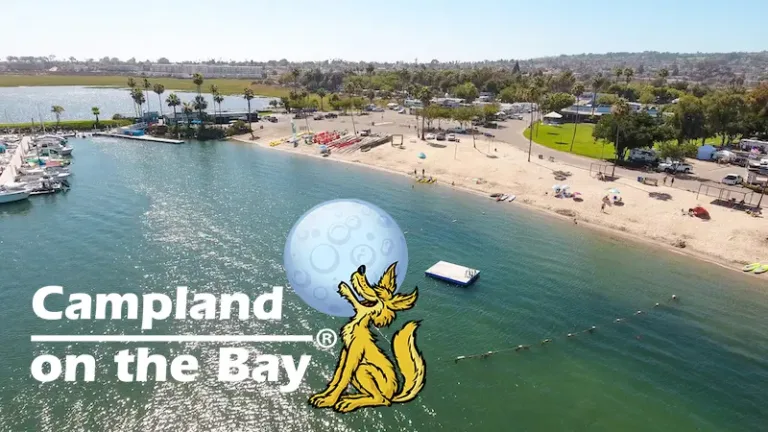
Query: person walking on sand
<point x="422" y="172"/>
<point x="602" y="208"/>
<point x="672" y="181"/>
<point x="665" y="180"/>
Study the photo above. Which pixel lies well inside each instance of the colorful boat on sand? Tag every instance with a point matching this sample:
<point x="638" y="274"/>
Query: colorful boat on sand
<point x="750" y="267"/>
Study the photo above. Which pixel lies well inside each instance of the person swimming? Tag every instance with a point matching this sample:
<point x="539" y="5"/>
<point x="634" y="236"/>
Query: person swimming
<point x="618" y="320"/>
<point x="639" y="312"/>
<point x="546" y="341"/>
<point x="456" y="360"/>
<point x="656" y="305"/>
<point x="592" y="329"/>
<point x="571" y="335"/>
<point x="674" y="297"/>
<point x="521" y="347"/>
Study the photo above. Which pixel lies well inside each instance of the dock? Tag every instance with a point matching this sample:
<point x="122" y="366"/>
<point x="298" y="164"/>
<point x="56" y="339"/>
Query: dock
<point x="453" y="273"/>
<point x="145" y="138"/>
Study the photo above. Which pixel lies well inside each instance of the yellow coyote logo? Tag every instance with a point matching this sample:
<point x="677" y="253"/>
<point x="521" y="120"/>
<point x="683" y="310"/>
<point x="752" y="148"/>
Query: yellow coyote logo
<point x="362" y="363"/>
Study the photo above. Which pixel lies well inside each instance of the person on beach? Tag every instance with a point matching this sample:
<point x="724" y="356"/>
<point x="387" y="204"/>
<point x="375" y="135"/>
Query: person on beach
<point x="422" y="172"/>
<point x="602" y="208"/>
<point x="665" y="180"/>
<point x="672" y="181"/>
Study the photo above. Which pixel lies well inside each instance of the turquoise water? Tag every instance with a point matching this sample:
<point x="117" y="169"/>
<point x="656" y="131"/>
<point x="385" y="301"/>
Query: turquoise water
<point x="214" y="216"/>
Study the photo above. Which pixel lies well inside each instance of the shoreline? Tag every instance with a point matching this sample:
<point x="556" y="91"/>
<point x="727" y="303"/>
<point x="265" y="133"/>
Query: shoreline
<point x="595" y="227"/>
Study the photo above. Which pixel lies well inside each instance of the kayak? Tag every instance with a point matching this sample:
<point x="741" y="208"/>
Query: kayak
<point x="495" y="195"/>
<point x="762" y="269"/>
<point x="511" y="198"/>
<point x="750" y="267"/>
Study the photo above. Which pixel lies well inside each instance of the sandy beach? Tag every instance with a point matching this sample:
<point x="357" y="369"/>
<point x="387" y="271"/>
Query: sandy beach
<point x="498" y="165"/>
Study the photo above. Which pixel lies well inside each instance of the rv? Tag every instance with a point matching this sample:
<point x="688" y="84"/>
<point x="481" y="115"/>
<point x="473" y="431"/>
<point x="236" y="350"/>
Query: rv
<point x="642" y="155"/>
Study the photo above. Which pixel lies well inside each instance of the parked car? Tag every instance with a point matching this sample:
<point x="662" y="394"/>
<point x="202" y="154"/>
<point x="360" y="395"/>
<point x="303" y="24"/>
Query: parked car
<point x="271" y="119"/>
<point x="331" y="115"/>
<point x="430" y="136"/>
<point x="299" y="115"/>
<point x="516" y="116"/>
<point x="678" y="168"/>
<point x="732" y="179"/>
<point x="319" y="117"/>
<point x="451" y="137"/>
<point x="440" y="137"/>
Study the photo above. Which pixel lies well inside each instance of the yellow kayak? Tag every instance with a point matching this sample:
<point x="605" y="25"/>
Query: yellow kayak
<point x="750" y="267"/>
<point x="762" y="269"/>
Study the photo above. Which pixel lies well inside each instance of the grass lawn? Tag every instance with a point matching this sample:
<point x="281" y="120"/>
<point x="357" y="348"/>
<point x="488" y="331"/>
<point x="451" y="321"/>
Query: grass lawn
<point x="559" y="138"/>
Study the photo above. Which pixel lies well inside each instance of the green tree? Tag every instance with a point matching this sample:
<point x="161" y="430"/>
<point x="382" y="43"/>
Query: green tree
<point x="577" y="91"/>
<point x="557" y="101"/>
<point x="490" y="111"/>
<point x="197" y="79"/>
<point x="159" y="89"/>
<point x="627" y="130"/>
<point x="173" y="101"/>
<point x="321" y="93"/>
<point x="647" y="98"/>
<point x="724" y="114"/>
<point x="618" y="72"/>
<point x="598" y="82"/>
<point x="57" y="110"/>
<point x="689" y="119"/>
<point x="466" y="91"/>
<point x="95" y="112"/>
<point x="218" y="99"/>
<point x="248" y="95"/>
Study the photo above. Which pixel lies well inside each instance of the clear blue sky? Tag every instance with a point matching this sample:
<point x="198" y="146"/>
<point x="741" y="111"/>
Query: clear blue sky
<point x="386" y="30"/>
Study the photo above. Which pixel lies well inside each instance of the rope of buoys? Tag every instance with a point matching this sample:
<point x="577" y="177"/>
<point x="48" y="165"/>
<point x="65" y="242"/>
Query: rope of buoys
<point x="589" y="330"/>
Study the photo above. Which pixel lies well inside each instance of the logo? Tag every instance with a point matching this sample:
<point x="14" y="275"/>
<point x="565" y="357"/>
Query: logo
<point x="327" y="244"/>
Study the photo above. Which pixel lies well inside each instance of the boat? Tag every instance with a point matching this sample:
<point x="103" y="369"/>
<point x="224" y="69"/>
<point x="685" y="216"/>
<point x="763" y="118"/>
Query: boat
<point x="751" y="267"/>
<point x="762" y="269"/>
<point x="511" y="198"/>
<point x="9" y="195"/>
<point x="501" y="198"/>
<point x="495" y="195"/>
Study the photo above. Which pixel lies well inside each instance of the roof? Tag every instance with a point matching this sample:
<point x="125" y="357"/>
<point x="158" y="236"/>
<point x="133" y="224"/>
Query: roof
<point x="553" y="115"/>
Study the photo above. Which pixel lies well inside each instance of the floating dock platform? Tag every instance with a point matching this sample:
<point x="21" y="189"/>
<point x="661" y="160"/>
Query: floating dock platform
<point x="453" y="273"/>
<point x="139" y="138"/>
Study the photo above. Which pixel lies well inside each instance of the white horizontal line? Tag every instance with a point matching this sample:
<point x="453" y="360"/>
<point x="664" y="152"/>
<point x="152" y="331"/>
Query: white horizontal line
<point x="171" y="338"/>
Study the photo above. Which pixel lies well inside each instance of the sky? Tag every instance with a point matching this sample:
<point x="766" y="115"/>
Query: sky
<point x="383" y="30"/>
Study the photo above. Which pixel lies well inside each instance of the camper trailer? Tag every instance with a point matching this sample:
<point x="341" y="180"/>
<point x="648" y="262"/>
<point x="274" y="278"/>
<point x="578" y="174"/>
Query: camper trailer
<point x="643" y="156"/>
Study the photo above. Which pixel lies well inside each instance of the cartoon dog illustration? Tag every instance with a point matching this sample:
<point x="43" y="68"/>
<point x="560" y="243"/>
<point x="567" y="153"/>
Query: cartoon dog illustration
<point x="362" y="363"/>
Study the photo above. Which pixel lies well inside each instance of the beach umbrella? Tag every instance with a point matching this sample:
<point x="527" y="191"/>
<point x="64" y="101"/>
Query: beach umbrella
<point x="614" y="191"/>
<point x="422" y="156"/>
<point x="556" y="187"/>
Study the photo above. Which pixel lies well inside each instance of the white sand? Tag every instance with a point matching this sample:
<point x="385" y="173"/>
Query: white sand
<point x="731" y="237"/>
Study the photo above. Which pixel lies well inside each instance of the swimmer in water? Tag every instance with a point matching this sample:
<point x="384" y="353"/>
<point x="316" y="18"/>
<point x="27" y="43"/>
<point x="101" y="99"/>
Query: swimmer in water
<point x="571" y="335"/>
<point x="456" y="360"/>
<point x="592" y="329"/>
<point x="674" y="297"/>
<point x="639" y="312"/>
<point x="618" y="320"/>
<point x="656" y="305"/>
<point x="521" y="347"/>
<point x="546" y="341"/>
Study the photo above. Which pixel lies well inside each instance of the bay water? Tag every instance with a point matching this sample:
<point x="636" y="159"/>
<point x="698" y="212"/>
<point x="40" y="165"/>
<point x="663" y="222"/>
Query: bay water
<point x="214" y="217"/>
<point x="24" y="104"/>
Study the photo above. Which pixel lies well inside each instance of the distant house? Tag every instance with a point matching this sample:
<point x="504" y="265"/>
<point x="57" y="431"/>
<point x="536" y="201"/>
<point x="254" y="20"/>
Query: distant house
<point x="448" y="102"/>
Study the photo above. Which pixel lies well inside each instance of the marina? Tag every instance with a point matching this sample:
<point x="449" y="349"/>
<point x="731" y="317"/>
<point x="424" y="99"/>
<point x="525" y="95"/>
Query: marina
<point x="31" y="166"/>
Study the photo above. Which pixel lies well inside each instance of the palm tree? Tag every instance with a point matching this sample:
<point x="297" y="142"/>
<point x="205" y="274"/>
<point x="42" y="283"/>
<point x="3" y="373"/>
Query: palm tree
<point x="248" y="95"/>
<point x="147" y="86"/>
<point x="577" y="91"/>
<point x="214" y="93"/>
<point x="173" y="101"/>
<point x="618" y="72"/>
<point x="138" y="98"/>
<point x="295" y="73"/>
<point x="57" y="110"/>
<point x="188" y="109"/>
<point x="132" y="85"/>
<point x="321" y="94"/>
<point x="425" y="96"/>
<point x="597" y="83"/>
<point x="218" y="99"/>
<point x="200" y="104"/>
<point x="628" y="73"/>
<point x="159" y="89"/>
<point x="95" y="112"/>
<point x="197" y="78"/>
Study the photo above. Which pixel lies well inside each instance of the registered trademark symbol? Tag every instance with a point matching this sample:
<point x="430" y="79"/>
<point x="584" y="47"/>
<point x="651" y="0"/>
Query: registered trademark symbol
<point x="326" y="338"/>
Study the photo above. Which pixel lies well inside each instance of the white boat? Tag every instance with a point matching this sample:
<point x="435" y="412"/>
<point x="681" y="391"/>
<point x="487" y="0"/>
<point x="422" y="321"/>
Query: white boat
<point x="511" y="198"/>
<point x="8" y="195"/>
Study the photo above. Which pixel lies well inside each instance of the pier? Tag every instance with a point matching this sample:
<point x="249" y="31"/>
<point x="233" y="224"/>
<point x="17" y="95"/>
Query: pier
<point x="139" y="138"/>
<point x="18" y="158"/>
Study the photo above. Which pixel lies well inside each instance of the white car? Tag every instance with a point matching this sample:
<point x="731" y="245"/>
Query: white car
<point x="675" y="167"/>
<point x="451" y="137"/>
<point x="430" y="136"/>
<point x="732" y="179"/>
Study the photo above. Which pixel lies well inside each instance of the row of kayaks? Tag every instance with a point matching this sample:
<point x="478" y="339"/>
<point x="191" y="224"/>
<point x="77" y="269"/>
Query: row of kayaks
<point x="429" y="180"/>
<point x="500" y="197"/>
<point x="756" y="268"/>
